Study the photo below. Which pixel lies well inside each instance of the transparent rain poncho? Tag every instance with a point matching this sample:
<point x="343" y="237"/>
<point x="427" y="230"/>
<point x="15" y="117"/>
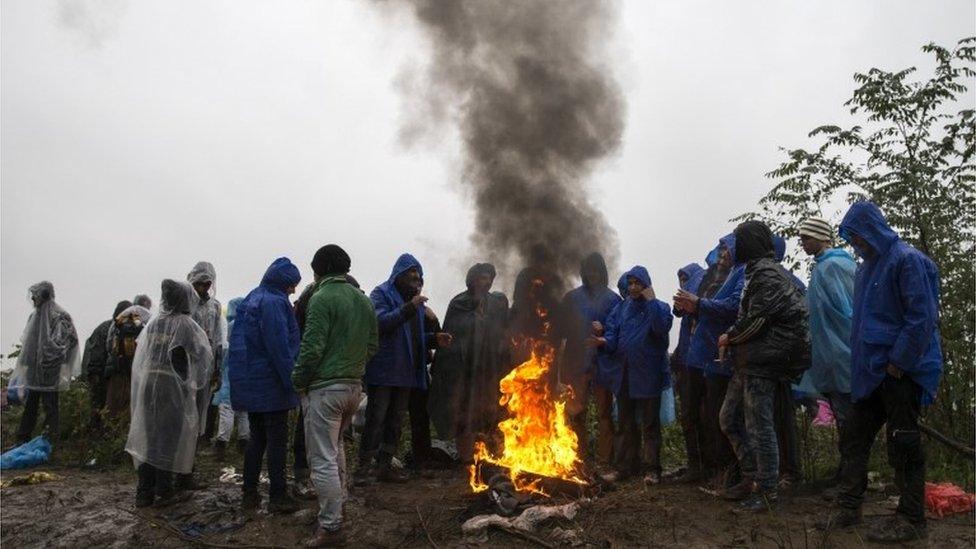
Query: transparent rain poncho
<point x="170" y="384"/>
<point x="49" y="345"/>
<point x="209" y="314"/>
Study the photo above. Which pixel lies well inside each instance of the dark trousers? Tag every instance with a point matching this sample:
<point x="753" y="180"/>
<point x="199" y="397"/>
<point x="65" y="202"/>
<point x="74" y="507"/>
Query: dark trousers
<point x="49" y="399"/>
<point x="748" y="420"/>
<point x="895" y="404"/>
<point x="604" y="425"/>
<point x="419" y="427"/>
<point x="269" y="432"/>
<point x="298" y="449"/>
<point x="691" y="389"/>
<point x="212" y="414"/>
<point x="118" y="391"/>
<point x="840" y="406"/>
<point x="786" y="433"/>
<point x="385" y="407"/>
<point x="717" y="451"/>
<point x="96" y="393"/>
<point x="154" y="482"/>
<point x="628" y="446"/>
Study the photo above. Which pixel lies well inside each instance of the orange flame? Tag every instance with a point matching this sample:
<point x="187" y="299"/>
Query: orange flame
<point x="537" y="435"/>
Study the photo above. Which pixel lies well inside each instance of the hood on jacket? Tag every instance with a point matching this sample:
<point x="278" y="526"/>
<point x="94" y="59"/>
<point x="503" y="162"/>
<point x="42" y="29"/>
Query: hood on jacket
<point x="281" y="275"/>
<point x="779" y="247"/>
<point x="595" y="262"/>
<point x="712" y="257"/>
<point x="865" y="219"/>
<point x="177" y="298"/>
<point x="203" y="271"/>
<point x="41" y="293"/>
<point x="728" y="241"/>
<point x="689" y="271"/>
<point x="403" y="264"/>
<point x="622" y="285"/>
<point x="232" y="306"/>
<point x="640" y="273"/>
<point x="753" y="240"/>
<point x="477" y="270"/>
<point x="122" y="305"/>
<point x="833" y="252"/>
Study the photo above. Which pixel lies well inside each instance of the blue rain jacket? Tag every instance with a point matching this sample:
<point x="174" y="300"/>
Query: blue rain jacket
<point x="779" y="248"/>
<point x="830" y="300"/>
<point x="622" y="286"/>
<point x="637" y="337"/>
<point x="264" y="345"/>
<point x="896" y="308"/>
<point x="589" y="309"/>
<point x="695" y="273"/>
<point x="714" y="317"/>
<point x="222" y="396"/>
<point x="394" y="364"/>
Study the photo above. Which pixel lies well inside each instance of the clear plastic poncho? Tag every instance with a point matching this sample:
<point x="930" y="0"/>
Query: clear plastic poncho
<point x="49" y="345"/>
<point x="170" y="384"/>
<point x="209" y="313"/>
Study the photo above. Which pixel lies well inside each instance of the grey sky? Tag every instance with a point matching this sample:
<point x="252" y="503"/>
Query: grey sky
<point x="141" y="137"/>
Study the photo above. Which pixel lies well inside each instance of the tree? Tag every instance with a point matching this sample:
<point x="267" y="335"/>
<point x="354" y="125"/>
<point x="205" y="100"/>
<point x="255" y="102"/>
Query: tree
<point x="913" y="156"/>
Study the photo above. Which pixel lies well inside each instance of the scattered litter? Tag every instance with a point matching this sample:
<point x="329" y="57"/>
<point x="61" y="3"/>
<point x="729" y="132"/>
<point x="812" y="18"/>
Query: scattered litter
<point x="947" y="499"/>
<point x="36" y="477"/>
<point x="211" y="513"/>
<point x="527" y="521"/>
<point x="825" y="415"/>
<point x="229" y="475"/>
<point x="29" y="454"/>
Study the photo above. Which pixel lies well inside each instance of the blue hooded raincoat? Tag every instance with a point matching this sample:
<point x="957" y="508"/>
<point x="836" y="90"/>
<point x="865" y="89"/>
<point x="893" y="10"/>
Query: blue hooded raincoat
<point x="695" y="273"/>
<point x="896" y="308"/>
<point x="779" y="248"/>
<point x="394" y="365"/>
<point x="264" y="345"/>
<point x="637" y="336"/>
<point x="830" y="300"/>
<point x="715" y="316"/>
<point x="222" y="396"/>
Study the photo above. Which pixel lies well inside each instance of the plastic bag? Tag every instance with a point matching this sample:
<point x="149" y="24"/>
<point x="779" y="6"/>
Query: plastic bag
<point x="29" y="454"/>
<point x="825" y="415"/>
<point x="16" y="392"/>
<point x="667" y="407"/>
<point x="947" y="499"/>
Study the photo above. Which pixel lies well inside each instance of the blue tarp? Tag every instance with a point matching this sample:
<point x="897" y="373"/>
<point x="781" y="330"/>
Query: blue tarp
<point x="29" y="454"/>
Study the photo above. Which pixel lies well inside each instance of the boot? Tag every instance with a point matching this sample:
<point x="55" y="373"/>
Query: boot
<point x="241" y="445"/>
<point x="251" y="501"/>
<point x="898" y="529"/>
<point x="144" y="499"/>
<point x="220" y="450"/>
<point x="363" y="476"/>
<point x="190" y="482"/>
<point x="327" y="538"/>
<point x="284" y="504"/>
<point x="172" y="499"/>
<point x="843" y="518"/>
<point x="389" y="474"/>
<point x="760" y="502"/>
<point x="740" y="491"/>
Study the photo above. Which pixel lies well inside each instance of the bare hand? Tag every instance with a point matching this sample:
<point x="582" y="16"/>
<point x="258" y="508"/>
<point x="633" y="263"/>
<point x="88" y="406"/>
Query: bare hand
<point x="648" y="293"/>
<point x="594" y="341"/>
<point x="893" y="371"/>
<point x="418" y="300"/>
<point x="597" y="328"/>
<point x="686" y="301"/>
<point x="444" y="339"/>
<point x="723" y="340"/>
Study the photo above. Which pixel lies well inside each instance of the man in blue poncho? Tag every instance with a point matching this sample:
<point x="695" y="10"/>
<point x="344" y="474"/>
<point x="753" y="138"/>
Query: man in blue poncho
<point x="896" y="363"/>
<point x="637" y="333"/>
<point x="406" y="334"/>
<point x="690" y="381"/>
<point x="830" y="299"/>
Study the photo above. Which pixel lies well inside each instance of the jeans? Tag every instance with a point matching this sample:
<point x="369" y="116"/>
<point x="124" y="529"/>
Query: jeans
<point x="385" y="407"/>
<point x="717" y="453"/>
<point x="895" y="404"/>
<point x="269" y="431"/>
<point x="786" y="433"/>
<point x="154" y="482"/>
<point x="328" y="412"/>
<point x="691" y="389"/>
<point x="747" y="420"/>
<point x="49" y="399"/>
<point x="842" y="408"/>
<point x="228" y="418"/>
<point x="419" y="427"/>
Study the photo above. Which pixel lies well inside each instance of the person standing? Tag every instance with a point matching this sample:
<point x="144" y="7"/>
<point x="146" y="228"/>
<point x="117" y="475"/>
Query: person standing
<point x="637" y="333"/>
<point x="170" y="372"/>
<point x="260" y="360"/>
<point x="93" y="364"/>
<point x="830" y="298"/>
<point x="896" y="363"/>
<point x="690" y="381"/>
<point x="122" y="350"/>
<point x="210" y="317"/>
<point x="228" y="418"/>
<point x="340" y="336"/>
<point x="48" y="357"/>
<point x="769" y="341"/>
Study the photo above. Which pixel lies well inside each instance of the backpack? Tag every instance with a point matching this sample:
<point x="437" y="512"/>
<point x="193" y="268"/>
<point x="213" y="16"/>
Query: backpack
<point x="127" y="329"/>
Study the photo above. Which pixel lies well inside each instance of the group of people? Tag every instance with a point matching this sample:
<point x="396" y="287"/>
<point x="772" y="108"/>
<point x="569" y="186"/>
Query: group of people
<point x="751" y="334"/>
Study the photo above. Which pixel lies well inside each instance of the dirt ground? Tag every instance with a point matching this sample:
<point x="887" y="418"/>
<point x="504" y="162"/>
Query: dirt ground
<point x="90" y="508"/>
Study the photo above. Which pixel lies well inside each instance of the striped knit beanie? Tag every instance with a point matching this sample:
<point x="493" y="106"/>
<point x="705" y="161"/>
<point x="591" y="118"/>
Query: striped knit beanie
<point x="817" y="227"/>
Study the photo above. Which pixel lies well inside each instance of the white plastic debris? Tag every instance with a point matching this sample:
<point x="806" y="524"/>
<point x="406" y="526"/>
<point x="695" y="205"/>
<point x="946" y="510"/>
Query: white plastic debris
<point x="527" y="521"/>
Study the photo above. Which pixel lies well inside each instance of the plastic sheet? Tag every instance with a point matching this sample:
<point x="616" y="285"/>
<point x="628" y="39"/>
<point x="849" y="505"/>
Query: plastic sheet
<point x="29" y="454"/>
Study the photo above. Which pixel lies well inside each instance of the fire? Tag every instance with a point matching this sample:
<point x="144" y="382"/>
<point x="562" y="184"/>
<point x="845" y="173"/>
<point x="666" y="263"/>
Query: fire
<point x="537" y="435"/>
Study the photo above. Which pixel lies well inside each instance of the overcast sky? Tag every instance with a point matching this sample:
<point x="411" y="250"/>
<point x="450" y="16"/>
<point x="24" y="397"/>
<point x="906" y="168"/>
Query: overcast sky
<point x="141" y="137"/>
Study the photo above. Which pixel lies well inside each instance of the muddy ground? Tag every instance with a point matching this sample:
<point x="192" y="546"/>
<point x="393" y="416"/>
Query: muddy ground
<point x="91" y="508"/>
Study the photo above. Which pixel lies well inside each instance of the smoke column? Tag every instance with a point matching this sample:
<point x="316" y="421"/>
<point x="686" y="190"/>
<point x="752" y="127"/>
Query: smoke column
<point x="528" y="85"/>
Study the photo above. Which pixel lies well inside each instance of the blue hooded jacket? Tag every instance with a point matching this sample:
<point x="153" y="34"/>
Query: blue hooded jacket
<point x="264" y="345"/>
<point x="394" y="364"/>
<point x="222" y="396"/>
<point x="779" y="248"/>
<point x="694" y="273"/>
<point x="830" y="300"/>
<point x="896" y="308"/>
<point x="637" y="337"/>
<point x="716" y="315"/>
<point x="622" y="286"/>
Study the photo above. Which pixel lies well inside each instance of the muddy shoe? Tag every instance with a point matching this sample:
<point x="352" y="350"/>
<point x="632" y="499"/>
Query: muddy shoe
<point x="190" y="482"/>
<point x="760" y="502"/>
<point x="302" y="491"/>
<point x="144" y="500"/>
<point x="842" y="518"/>
<point x="390" y="474"/>
<point x="327" y="538"/>
<point x="653" y="478"/>
<point x="220" y="450"/>
<point x="172" y="499"/>
<point x="611" y="476"/>
<point x="250" y="501"/>
<point x="285" y="505"/>
<point x="830" y="494"/>
<point x="740" y="491"/>
<point x="898" y="529"/>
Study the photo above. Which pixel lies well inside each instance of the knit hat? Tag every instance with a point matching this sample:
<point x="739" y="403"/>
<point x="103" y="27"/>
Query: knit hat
<point x="331" y="260"/>
<point x="817" y="227"/>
